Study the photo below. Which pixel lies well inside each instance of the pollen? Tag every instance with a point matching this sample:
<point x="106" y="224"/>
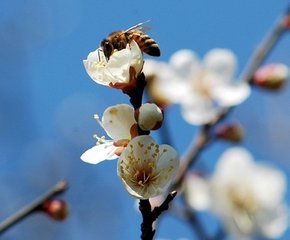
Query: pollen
<point x="114" y="111"/>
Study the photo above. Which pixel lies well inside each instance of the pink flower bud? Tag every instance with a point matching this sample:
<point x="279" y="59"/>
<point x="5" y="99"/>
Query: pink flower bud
<point x="56" y="209"/>
<point x="231" y="132"/>
<point x="271" y="76"/>
<point x="149" y="117"/>
<point x="286" y="22"/>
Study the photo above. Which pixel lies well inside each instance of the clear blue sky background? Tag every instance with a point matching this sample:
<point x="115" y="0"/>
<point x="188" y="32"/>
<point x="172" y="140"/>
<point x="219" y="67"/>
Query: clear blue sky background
<point x="47" y="103"/>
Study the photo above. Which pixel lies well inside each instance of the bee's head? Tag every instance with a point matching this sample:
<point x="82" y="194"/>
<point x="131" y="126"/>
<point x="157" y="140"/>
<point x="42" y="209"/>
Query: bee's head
<point x="107" y="47"/>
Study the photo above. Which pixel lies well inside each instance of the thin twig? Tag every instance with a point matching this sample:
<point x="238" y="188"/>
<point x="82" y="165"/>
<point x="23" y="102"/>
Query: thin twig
<point x="57" y="189"/>
<point x="150" y="216"/>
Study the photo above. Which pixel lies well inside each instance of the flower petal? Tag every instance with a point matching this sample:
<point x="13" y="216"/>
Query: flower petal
<point x="136" y="57"/>
<point x="231" y="95"/>
<point x="99" y="153"/>
<point x="198" y="110"/>
<point x="95" y="66"/>
<point x="117" y="68"/>
<point x="197" y="192"/>
<point x="221" y="62"/>
<point x="233" y="162"/>
<point x="185" y="63"/>
<point x="274" y="223"/>
<point x="267" y="179"/>
<point x="117" y="121"/>
<point x="166" y="84"/>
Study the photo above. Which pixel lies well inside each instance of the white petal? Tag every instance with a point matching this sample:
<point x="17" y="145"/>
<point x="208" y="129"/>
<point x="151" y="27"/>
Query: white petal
<point x="266" y="179"/>
<point x="95" y="66"/>
<point x="167" y="165"/>
<point x="99" y="153"/>
<point x="117" y="121"/>
<point x="166" y="82"/>
<point x="197" y="192"/>
<point x="273" y="224"/>
<point x="198" y="110"/>
<point x="136" y="57"/>
<point x="221" y="62"/>
<point x="117" y="68"/>
<point x="230" y="95"/>
<point x="185" y="63"/>
<point x="234" y="161"/>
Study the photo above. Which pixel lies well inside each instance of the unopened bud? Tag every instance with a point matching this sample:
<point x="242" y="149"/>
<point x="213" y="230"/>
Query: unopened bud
<point x="272" y="76"/>
<point x="230" y="132"/>
<point x="56" y="209"/>
<point x="149" y="116"/>
<point x="286" y="22"/>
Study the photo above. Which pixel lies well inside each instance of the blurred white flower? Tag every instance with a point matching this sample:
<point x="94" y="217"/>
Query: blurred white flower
<point x="248" y="197"/>
<point x="120" y="70"/>
<point x="145" y="168"/>
<point x="119" y="123"/>
<point x="200" y="87"/>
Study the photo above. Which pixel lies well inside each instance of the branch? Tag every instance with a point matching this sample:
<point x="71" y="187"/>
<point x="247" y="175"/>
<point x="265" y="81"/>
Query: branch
<point x="57" y="189"/>
<point x="149" y="217"/>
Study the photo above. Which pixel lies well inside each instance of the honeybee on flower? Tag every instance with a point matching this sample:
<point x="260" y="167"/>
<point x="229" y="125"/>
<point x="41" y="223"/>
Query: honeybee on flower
<point x="119" y="60"/>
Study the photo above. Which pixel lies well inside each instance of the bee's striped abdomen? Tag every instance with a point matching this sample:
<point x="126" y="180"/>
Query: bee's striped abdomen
<point x="146" y="43"/>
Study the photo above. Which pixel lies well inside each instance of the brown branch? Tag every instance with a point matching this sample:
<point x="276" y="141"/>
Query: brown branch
<point x="57" y="189"/>
<point x="149" y="217"/>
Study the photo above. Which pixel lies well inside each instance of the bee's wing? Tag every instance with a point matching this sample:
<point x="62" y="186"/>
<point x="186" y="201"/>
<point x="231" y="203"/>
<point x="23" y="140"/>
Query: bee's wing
<point x="139" y="27"/>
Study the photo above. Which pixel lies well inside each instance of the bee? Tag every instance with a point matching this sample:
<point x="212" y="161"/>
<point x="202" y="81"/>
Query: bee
<point x="119" y="39"/>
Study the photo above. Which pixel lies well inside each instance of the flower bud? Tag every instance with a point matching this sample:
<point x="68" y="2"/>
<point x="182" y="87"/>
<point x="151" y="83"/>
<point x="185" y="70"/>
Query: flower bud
<point x="286" y="22"/>
<point x="149" y="117"/>
<point x="271" y="76"/>
<point x="56" y="209"/>
<point x="230" y="132"/>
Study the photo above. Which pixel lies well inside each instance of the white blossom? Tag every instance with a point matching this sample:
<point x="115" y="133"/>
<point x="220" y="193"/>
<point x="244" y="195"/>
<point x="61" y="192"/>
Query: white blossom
<point x="118" y="69"/>
<point x="247" y="196"/>
<point x="145" y="168"/>
<point x="200" y="87"/>
<point x="118" y="121"/>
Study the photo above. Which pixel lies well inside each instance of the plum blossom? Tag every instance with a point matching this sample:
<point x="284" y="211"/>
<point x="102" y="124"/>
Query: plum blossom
<point x="119" y="123"/>
<point x="200" y="87"/>
<point x="145" y="168"/>
<point x="247" y="196"/>
<point x="120" y="70"/>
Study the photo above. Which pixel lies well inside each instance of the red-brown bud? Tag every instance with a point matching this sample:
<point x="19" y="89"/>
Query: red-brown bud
<point x="56" y="209"/>
<point x="230" y="132"/>
<point x="286" y="22"/>
<point x="271" y="76"/>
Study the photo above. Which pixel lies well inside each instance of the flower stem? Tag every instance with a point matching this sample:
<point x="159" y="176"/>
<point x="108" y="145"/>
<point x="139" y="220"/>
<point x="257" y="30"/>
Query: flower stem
<point x="150" y="216"/>
<point x="57" y="189"/>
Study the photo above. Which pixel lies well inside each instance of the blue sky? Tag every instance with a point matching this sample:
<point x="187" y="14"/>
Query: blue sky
<point x="47" y="103"/>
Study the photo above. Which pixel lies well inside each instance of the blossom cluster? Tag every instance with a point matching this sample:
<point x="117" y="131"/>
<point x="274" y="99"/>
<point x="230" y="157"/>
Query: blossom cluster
<point x="145" y="168"/>
<point x="247" y="196"/>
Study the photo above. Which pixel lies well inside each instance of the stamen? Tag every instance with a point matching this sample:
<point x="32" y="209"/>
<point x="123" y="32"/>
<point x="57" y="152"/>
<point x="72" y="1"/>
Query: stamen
<point x="100" y="140"/>
<point x="97" y="118"/>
